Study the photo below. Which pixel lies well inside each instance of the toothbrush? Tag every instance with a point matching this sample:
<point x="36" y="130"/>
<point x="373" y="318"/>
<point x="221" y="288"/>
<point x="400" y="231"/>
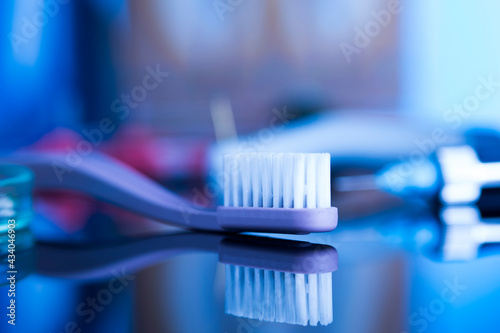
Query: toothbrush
<point x="285" y="282"/>
<point x="264" y="192"/>
<point x="266" y="279"/>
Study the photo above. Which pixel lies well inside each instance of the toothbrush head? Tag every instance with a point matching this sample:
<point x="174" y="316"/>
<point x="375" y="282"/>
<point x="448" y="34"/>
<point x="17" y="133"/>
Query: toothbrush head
<point x="275" y="192"/>
<point x="279" y="280"/>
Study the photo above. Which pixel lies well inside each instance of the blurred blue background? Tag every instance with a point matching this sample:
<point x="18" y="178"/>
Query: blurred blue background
<point x="63" y="63"/>
<point x="166" y="85"/>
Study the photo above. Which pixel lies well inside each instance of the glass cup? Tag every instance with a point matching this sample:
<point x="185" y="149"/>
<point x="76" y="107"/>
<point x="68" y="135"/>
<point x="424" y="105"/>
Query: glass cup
<point x="16" y="184"/>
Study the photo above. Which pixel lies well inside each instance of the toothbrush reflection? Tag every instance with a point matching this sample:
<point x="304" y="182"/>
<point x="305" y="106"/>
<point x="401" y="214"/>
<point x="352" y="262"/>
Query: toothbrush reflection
<point x="81" y="262"/>
<point x="282" y="281"/>
<point x="267" y="279"/>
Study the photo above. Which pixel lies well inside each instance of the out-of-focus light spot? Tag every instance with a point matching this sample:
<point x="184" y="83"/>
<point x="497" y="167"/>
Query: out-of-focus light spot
<point x="26" y="35"/>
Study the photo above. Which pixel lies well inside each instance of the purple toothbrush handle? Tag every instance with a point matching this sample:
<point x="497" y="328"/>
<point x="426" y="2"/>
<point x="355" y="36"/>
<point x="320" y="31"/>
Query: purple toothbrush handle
<point x="112" y="181"/>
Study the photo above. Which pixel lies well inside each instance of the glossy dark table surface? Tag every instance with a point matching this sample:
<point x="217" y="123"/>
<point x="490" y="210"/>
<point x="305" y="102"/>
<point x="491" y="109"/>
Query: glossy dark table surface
<point x="404" y="270"/>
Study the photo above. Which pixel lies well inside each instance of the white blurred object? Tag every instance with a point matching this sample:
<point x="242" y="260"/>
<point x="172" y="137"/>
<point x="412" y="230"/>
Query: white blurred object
<point x="222" y="118"/>
<point x="464" y="175"/>
<point x="466" y="232"/>
<point x="370" y="138"/>
<point x="6" y="207"/>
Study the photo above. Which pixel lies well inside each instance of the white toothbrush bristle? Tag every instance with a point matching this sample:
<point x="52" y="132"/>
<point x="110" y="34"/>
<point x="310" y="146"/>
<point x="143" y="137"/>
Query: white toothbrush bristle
<point x="272" y="296"/>
<point x="277" y="180"/>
